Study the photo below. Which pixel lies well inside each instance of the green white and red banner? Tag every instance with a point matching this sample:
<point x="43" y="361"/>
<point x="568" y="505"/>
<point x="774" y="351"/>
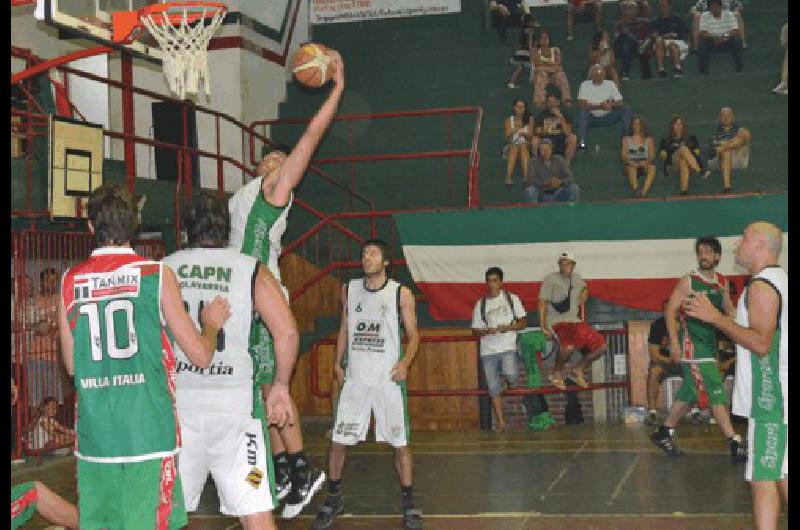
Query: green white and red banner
<point x="630" y="253"/>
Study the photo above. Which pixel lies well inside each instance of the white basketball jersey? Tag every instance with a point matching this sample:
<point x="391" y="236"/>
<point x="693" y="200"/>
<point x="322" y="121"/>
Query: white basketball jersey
<point x="755" y="379"/>
<point x="256" y="226"/>
<point x="226" y="386"/>
<point x="373" y="332"/>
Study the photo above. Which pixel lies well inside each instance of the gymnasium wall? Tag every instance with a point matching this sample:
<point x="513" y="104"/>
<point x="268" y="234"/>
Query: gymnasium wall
<point x="248" y="78"/>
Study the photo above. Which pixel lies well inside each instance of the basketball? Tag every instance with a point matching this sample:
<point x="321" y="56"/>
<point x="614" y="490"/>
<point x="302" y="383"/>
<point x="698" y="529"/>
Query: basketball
<point x="311" y="66"/>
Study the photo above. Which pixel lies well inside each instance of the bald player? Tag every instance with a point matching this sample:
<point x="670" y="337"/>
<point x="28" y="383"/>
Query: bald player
<point x="761" y="392"/>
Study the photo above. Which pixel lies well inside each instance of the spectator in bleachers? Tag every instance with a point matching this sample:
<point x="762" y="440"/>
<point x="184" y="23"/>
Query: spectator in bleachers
<point x="45" y="432"/>
<point x="661" y="365"/>
<point x="703" y="6"/>
<point x="681" y="150"/>
<point x="522" y="55"/>
<point x="783" y="86"/>
<point x="42" y="366"/>
<point x="583" y="10"/>
<point x="601" y="52"/>
<point x="497" y="319"/>
<point x="600" y="105"/>
<point x="505" y="13"/>
<point x="730" y="147"/>
<point x="555" y="125"/>
<point x="549" y="178"/>
<point x="548" y="69"/>
<point x="518" y="128"/>
<point x="669" y="33"/>
<point x="719" y="32"/>
<point x="632" y="39"/>
<point x="638" y="155"/>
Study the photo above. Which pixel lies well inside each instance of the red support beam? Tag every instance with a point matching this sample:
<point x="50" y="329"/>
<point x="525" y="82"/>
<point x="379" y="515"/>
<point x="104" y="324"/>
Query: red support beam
<point x="128" y="120"/>
<point x="58" y="61"/>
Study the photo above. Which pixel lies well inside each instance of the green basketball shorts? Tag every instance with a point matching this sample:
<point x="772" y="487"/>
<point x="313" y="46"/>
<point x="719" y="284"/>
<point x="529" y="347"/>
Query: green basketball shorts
<point x="263" y="352"/>
<point x="133" y="495"/>
<point x="702" y="384"/>
<point x="23" y="503"/>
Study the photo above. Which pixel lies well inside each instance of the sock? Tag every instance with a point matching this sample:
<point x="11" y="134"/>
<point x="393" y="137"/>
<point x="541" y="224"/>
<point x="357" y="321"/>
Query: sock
<point x="652" y="411"/>
<point x="665" y="431"/>
<point x="298" y="464"/>
<point x="334" y="487"/>
<point x="735" y="438"/>
<point x="407" y="495"/>
<point x="281" y="461"/>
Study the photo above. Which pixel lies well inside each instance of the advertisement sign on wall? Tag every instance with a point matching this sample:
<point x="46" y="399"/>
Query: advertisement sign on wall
<point x="332" y="11"/>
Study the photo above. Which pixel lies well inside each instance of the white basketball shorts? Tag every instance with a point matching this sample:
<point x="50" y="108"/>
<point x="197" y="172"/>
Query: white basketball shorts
<point x="358" y="401"/>
<point x="232" y="449"/>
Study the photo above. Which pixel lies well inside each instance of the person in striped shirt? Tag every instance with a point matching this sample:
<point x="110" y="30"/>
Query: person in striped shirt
<point x="719" y="32"/>
<point x="702" y="6"/>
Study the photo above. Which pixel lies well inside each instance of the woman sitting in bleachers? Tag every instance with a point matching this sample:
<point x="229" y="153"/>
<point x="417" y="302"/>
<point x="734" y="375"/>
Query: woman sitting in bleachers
<point x="548" y="69"/>
<point x="602" y="52"/>
<point x="517" y="130"/>
<point x="638" y="155"/>
<point x="681" y="149"/>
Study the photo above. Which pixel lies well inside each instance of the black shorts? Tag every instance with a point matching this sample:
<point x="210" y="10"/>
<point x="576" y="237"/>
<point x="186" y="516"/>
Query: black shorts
<point x="667" y="369"/>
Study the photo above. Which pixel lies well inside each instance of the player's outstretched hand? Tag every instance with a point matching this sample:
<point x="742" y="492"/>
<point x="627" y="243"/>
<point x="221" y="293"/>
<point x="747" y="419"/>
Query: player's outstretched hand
<point x="216" y="313"/>
<point x="338" y="372"/>
<point x="279" y="406"/>
<point x="338" y="67"/>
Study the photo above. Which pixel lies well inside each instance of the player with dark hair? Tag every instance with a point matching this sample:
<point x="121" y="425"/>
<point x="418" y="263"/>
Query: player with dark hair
<point x="259" y="212"/>
<point x="115" y="310"/>
<point x="374" y="382"/>
<point x="694" y="344"/>
<point x="218" y="408"/>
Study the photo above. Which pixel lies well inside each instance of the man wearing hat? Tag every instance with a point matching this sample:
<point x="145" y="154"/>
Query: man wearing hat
<point x="561" y="295"/>
<point x="549" y="177"/>
<point x="600" y="105"/>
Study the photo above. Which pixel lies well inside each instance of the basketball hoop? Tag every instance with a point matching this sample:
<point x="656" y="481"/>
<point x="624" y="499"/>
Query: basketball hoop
<point x="183" y="31"/>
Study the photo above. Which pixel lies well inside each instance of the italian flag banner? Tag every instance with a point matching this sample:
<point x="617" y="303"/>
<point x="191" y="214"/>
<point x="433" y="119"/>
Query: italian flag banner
<point x="630" y="253"/>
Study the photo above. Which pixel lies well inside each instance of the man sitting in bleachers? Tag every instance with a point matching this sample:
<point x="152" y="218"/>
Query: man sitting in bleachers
<point x="555" y="125"/>
<point x="600" y="105"/>
<point x="730" y="147"/>
<point x="549" y="177"/>
<point x="719" y="32"/>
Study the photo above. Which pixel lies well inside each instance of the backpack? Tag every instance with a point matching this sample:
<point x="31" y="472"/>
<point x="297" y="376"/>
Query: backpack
<point x="508" y="299"/>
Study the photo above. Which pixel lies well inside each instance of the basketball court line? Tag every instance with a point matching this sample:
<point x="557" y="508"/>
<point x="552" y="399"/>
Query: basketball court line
<point x="623" y="480"/>
<point x="515" y="515"/>
<point x="563" y="471"/>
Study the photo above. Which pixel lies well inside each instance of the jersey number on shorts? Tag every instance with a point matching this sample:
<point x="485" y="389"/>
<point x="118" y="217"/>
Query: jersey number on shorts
<point x="115" y="351"/>
<point x="220" y="333"/>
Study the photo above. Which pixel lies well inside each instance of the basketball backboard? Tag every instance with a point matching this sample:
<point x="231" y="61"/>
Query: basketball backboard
<point x="92" y="19"/>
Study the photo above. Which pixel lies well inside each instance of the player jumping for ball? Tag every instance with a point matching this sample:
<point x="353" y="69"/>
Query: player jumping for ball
<point x="373" y="308"/>
<point x="218" y="409"/>
<point x="259" y="212"/>
<point x="761" y="388"/>
<point x="694" y="344"/>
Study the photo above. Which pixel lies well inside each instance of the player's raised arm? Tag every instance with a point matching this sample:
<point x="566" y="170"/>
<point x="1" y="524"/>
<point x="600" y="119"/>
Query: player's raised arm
<point x="198" y="348"/>
<point x="274" y="310"/>
<point x="294" y="167"/>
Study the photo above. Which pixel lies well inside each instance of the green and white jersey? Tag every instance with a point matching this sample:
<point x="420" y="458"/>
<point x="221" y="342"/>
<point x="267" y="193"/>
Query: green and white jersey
<point x="761" y="389"/>
<point x="123" y="358"/>
<point x="225" y="386"/>
<point x="257" y="226"/>
<point x="699" y="339"/>
<point x="373" y="332"/>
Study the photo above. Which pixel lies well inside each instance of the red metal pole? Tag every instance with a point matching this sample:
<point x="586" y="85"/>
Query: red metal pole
<point x="52" y="63"/>
<point x="128" y="120"/>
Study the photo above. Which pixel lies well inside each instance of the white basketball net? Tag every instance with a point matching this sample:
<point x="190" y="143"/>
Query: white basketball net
<point x="185" y="48"/>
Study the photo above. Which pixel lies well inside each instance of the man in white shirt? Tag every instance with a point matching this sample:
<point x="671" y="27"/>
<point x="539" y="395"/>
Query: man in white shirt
<point x="600" y="105"/>
<point x="496" y="319"/>
<point x="719" y="32"/>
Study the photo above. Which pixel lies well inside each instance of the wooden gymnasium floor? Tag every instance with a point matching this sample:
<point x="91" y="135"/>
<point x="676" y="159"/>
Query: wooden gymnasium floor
<point x="589" y="476"/>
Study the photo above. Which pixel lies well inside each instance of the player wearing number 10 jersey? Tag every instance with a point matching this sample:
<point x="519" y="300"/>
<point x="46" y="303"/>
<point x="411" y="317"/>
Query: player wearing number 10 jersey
<point x="115" y="311"/>
<point x="217" y="408"/>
